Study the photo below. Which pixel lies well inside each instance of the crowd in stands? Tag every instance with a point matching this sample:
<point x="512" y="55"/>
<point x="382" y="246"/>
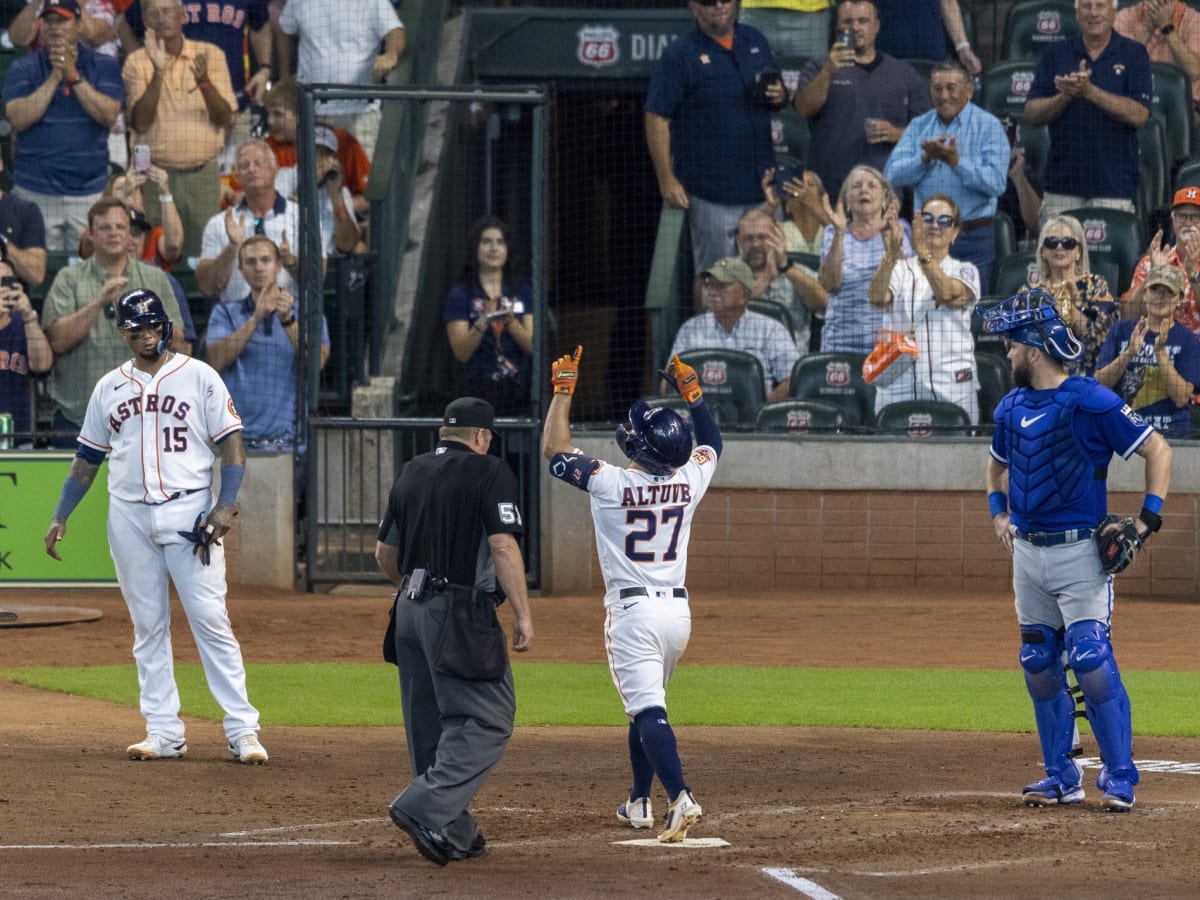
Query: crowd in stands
<point x="147" y="142"/>
<point x="902" y="211"/>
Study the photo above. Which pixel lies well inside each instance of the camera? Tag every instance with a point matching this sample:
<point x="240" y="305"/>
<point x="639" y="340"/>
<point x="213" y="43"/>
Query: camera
<point x="763" y="80"/>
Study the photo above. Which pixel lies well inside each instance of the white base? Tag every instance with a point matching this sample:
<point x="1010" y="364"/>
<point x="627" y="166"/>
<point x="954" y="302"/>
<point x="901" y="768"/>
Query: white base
<point x="686" y="842"/>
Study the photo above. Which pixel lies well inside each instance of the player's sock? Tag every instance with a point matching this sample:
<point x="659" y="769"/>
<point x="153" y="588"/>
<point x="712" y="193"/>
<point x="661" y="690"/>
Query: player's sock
<point x="643" y="771"/>
<point x="658" y="742"/>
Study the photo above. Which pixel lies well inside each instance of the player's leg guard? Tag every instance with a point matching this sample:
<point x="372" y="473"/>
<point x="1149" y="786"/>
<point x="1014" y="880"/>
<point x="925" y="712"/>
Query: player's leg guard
<point x="1105" y="699"/>
<point x="1053" y="709"/>
<point x="643" y="771"/>
<point x="658" y="740"/>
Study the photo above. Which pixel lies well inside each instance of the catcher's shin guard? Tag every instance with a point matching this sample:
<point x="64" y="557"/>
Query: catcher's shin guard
<point x="1105" y="698"/>
<point x="1053" y="706"/>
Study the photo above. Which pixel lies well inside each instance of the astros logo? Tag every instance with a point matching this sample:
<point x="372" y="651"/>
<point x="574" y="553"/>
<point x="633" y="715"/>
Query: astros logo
<point x="1193" y="194"/>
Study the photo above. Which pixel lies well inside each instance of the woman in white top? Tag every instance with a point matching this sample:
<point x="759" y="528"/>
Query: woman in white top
<point x="929" y="296"/>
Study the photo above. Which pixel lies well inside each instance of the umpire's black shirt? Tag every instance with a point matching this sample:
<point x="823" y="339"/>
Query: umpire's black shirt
<point x="442" y="508"/>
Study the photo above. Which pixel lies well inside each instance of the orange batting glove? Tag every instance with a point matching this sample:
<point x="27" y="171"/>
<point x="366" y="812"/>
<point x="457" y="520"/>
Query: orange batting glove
<point x="684" y="378"/>
<point x="564" y="374"/>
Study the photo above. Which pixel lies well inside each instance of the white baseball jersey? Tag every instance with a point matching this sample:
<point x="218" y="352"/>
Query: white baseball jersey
<point x="160" y="430"/>
<point x="643" y="521"/>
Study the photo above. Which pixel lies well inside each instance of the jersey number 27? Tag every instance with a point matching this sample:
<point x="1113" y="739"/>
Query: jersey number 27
<point x="650" y="522"/>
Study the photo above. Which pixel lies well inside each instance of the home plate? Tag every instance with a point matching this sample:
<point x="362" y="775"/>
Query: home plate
<point x="686" y="842"/>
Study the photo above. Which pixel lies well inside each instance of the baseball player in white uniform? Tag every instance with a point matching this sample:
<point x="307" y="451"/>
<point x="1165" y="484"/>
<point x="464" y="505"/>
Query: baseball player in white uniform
<point x="643" y="517"/>
<point x="163" y="417"/>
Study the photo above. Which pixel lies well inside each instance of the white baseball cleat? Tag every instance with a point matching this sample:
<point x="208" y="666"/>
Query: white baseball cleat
<point x="682" y="815"/>
<point x="155" y="746"/>
<point x="636" y="812"/>
<point x="247" y="749"/>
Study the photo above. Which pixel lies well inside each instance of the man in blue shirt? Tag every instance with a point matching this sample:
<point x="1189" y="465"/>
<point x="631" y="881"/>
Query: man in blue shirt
<point x="1054" y="438"/>
<point x="959" y="150"/>
<point x="61" y="102"/>
<point x="708" y="124"/>
<point x="1093" y="90"/>
<point x="254" y="342"/>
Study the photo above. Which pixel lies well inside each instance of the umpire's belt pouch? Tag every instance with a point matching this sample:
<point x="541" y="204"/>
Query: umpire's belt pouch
<point x="472" y="645"/>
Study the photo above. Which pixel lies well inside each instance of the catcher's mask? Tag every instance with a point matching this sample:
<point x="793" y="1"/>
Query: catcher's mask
<point x="655" y="438"/>
<point x="142" y="306"/>
<point x="1033" y="319"/>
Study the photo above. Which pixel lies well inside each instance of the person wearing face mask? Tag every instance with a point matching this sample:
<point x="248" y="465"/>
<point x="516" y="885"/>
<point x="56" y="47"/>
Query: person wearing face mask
<point x="1184" y="255"/>
<point x="929" y="296"/>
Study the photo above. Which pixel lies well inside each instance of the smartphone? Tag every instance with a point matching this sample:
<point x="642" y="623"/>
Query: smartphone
<point x="784" y="174"/>
<point x="141" y="158"/>
<point x="845" y="37"/>
<point x="9" y="282"/>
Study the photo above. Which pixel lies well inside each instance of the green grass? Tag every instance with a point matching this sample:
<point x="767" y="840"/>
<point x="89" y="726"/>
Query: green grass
<point x="566" y="694"/>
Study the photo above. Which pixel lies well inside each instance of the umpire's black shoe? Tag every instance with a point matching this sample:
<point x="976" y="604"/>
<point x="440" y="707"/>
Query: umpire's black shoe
<point x="431" y="845"/>
<point x="477" y="849"/>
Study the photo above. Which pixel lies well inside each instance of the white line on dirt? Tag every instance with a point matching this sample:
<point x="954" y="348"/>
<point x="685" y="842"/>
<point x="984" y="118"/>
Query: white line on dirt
<point x="278" y="829"/>
<point x="939" y="870"/>
<point x="182" y="845"/>
<point x="803" y="885"/>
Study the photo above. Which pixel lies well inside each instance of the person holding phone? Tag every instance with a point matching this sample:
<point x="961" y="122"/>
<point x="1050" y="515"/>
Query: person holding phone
<point x="489" y="320"/>
<point x="62" y="100"/>
<point x="24" y="351"/>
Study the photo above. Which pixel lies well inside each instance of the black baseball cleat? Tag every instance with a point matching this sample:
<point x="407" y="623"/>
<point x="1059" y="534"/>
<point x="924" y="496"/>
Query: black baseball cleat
<point x="477" y="849"/>
<point x="431" y="845"/>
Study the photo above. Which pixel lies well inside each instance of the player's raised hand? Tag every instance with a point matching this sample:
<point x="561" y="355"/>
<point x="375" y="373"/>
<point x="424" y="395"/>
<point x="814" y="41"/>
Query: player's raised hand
<point x="58" y="530"/>
<point x="683" y="377"/>
<point x="564" y="373"/>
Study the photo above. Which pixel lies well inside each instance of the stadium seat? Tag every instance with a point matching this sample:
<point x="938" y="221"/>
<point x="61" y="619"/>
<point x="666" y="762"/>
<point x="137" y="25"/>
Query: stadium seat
<point x="1035" y="141"/>
<point x="1006" y="234"/>
<point x="1032" y="24"/>
<point x="1153" y="167"/>
<point x="1187" y="176"/>
<point x="923" y="418"/>
<point x="732" y="382"/>
<point x="1011" y="272"/>
<point x="810" y="261"/>
<point x="677" y="403"/>
<point x="835" y="378"/>
<point x="1108" y="270"/>
<point x="1114" y="234"/>
<point x="799" y="416"/>
<point x="790" y="133"/>
<point x="1005" y="87"/>
<point x="923" y="67"/>
<point x="1171" y="104"/>
<point x="776" y="311"/>
<point x="992" y="344"/>
<point x="995" y="380"/>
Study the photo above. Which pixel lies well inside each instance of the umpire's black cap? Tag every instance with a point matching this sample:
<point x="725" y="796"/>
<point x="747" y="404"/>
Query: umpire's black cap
<point x="469" y="412"/>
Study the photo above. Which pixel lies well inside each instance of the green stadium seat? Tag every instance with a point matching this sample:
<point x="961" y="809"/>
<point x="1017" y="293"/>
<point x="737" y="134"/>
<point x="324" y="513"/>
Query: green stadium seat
<point x="1012" y="272"/>
<point x="835" y="378"/>
<point x="1115" y="235"/>
<point x="1032" y="24"/>
<point x="776" y="311"/>
<point x="1187" y="176"/>
<point x="790" y="134"/>
<point x="732" y="382"/>
<point x="1005" y="233"/>
<point x="799" y="416"/>
<point x="1153" y="167"/>
<point x="995" y="380"/>
<point x="1172" y="105"/>
<point x="1035" y="141"/>
<point x="923" y="418"/>
<point x="1005" y="87"/>
<point x="674" y="402"/>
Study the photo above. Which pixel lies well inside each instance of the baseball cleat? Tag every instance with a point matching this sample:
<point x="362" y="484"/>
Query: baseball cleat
<point x="637" y="812"/>
<point x="155" y="746"/>
<point x="1053" y="791"/>
<point x="1118" y="793"/>
<point x="682" y="815"/>
<point x="247" y="749"/>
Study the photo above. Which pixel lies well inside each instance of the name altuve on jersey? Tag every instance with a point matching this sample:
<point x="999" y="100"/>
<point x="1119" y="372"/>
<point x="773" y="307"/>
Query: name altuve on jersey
<point x="656" y="494"/>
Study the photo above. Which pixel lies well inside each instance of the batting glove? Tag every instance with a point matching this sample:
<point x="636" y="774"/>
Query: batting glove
<point x="564" y="374"/>
<point x="202" y="538"/>
<point x="683" y="377"/>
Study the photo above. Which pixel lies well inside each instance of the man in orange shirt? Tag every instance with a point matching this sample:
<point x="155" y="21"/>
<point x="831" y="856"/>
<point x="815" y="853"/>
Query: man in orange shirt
<point x="181" y="103"/>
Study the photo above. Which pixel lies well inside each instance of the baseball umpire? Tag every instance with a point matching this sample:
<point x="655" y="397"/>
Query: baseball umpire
<point x="1054" y="438"/>
<point x="160" y="417"/>
<point x="643" y="518"/>
<point x="449" y="534"/>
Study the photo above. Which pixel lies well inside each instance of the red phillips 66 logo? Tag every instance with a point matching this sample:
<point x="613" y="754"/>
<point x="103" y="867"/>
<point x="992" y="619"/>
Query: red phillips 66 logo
<point x="799" y="420"/>
<point x="837" y="373"/>
<point x="920" y="425"/>
<point x="1021" y="82"/>
<point x="714" y="372"/>
<point x="598" y="45"/>
<point x="1095" y="231"/>
<point x="1049" y="22"/>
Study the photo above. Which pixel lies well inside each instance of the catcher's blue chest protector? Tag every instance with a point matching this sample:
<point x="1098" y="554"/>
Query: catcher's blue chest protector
<point x="1048" y="469"/>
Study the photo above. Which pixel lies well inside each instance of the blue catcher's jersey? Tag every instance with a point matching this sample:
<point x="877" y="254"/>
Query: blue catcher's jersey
<point x="1057" y="444"/>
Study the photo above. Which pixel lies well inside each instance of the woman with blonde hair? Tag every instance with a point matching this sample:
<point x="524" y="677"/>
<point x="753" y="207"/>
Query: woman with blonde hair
<point x="853" y="247"/>
<point x="1084" y="300"/>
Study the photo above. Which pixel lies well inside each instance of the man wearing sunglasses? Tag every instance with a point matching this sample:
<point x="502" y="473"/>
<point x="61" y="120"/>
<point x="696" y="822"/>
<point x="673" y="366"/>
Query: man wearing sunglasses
<point x="1184" y="256"/>
<point x="1093" y="91"/>
<point x="708" y="124"/>
<point x="959" y="150"/>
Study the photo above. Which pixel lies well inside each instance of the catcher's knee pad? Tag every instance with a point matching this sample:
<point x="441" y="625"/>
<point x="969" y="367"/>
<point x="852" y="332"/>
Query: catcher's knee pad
<point x="1040" y="648"/>
<point x="1088" y="646"/>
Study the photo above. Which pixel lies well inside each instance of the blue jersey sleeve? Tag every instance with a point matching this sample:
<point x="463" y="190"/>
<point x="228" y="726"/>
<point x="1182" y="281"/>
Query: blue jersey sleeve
<point x="575" y="469"/>
<point x="708" y="433"/>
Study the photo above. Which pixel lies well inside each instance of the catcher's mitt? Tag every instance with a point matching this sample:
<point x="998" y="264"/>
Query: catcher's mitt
<point x="1119" y="542"/>
<point x="202" y="537"/>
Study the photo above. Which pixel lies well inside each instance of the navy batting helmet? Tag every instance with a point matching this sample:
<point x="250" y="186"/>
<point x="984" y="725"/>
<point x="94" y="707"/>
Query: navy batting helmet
<point x="1032" y="318"/>
<point x="142" y="306"/>
<point x="655" y="438"/>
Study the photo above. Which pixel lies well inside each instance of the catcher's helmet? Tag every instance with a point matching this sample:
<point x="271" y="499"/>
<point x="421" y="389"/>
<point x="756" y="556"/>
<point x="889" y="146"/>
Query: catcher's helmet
<point x="1032" y="318"/>
<point x="142" y="306"/>
<point x="657" y="439"/>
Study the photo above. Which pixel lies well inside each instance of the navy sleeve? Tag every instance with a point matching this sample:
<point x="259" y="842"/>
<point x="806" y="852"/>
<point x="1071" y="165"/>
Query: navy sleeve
<point x="575" y="469"/>
<point x="708" y="433"/>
